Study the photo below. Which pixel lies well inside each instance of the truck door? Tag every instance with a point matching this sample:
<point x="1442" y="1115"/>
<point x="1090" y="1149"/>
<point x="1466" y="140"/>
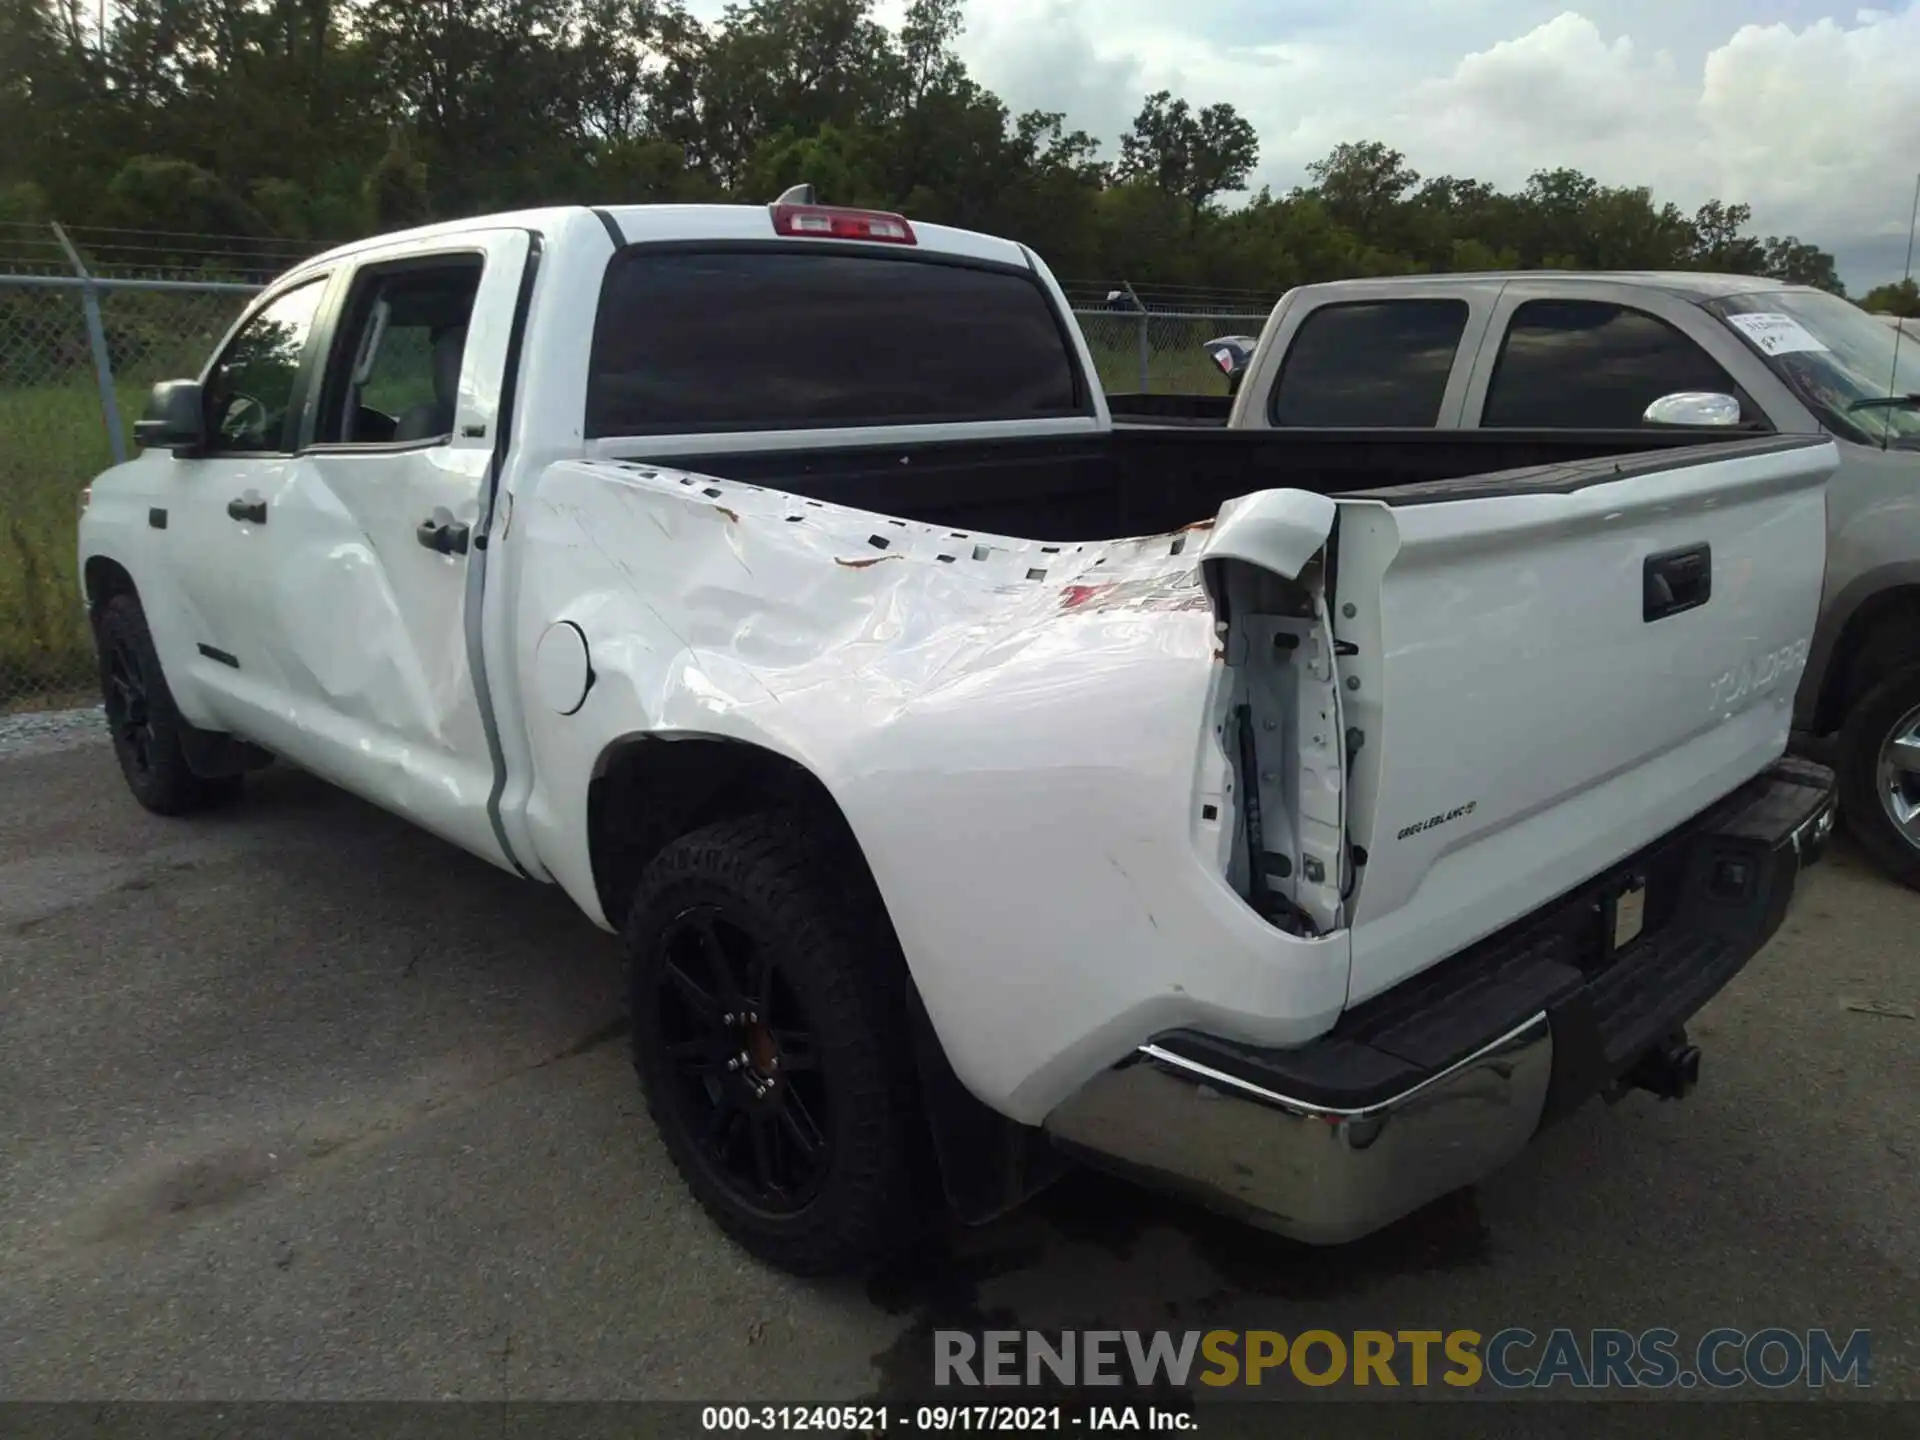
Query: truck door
<point x="215" y="514"/>
<point x="368" y="581"/>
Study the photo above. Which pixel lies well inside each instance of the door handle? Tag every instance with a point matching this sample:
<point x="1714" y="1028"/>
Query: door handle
<point x="246" y="507"/>
<point x="443" y="534"/>
<point x="1676" y="580"/>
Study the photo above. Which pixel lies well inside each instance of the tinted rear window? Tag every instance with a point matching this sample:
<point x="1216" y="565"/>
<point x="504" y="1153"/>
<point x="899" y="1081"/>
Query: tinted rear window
<point x="1370" y="363"/>
<point x="778" y="340"/>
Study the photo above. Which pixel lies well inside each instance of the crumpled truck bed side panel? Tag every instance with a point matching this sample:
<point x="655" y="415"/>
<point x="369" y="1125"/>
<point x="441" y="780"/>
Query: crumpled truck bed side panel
<point x="1021" y="736"/>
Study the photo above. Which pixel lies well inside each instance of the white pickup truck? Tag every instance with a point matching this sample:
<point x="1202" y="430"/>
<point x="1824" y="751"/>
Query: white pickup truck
<point x="1298" y="822"/>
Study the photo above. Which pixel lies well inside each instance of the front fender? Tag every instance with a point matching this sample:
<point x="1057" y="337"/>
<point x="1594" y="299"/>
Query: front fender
<point x="118" y="527"/>
<point x="1832" y="644"/>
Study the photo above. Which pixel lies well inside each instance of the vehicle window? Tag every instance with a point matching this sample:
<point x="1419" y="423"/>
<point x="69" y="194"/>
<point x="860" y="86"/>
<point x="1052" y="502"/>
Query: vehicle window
<point x="249" y="390"/>
<point x="1370" y="363"/>
<point x="394" y="375"/>
<point x="780" y="340"/>
<point x="1589" y="365"/>
<point x="1859" y="373"/>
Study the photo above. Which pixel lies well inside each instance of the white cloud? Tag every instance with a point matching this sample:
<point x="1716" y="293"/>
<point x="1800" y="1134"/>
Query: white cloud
<point x="1559" y="88"/>
<point x="1817" y="128"/>
<point x="1823" y="123"/>
<point x="1038" y="55"/>
<point x="1813" y="121"/>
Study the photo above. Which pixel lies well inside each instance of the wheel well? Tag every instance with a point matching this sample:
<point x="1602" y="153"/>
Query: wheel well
<point x="105" y="579"/>
<point x="1880" y="637"/>
<point x="647" y="792"/>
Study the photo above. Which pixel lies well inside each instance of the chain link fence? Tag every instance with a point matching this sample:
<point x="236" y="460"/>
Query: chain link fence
<point x="1157" y="352"/>
<point x="76" y="361"/>
<point x="79" y="351"/>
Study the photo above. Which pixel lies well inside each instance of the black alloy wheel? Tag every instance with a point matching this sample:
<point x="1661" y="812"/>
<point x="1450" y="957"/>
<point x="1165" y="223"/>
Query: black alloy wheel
<point x="744" y="1061"/>
<point x="771" y="1040"/>
<point x="126" y="699"/>
<point x="148" y="733"/>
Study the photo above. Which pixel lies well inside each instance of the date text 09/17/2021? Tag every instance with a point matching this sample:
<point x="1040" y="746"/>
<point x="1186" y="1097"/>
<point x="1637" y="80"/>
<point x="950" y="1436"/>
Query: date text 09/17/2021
<point x="941" y="1419"/>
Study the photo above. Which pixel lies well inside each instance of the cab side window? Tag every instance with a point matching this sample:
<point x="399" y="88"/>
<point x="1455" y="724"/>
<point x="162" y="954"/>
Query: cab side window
<point x="250" y="389"/>
<point x="1369" y="363"/>
<point x="394" y="376"/>
<point x="1590" y="365"/>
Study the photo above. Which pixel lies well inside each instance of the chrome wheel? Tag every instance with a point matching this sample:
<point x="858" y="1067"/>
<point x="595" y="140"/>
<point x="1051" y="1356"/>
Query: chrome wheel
<point x="1899" y="776"/>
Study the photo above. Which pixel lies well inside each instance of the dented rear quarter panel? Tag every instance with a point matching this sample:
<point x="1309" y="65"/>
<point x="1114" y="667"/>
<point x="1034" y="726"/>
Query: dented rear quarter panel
<point x="1020" y="735"/>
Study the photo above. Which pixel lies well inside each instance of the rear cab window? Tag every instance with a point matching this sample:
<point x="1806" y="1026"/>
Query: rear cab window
<point x="1369" y="364"/>
<point x="1594" y="365"/>
<point x="773" y="336"/>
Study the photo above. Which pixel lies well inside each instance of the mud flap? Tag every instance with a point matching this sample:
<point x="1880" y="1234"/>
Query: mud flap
<point x="988" y="1164"/>
<point x="214" y="755"/>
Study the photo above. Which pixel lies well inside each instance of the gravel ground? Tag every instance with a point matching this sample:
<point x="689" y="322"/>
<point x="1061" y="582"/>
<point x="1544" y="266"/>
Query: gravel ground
<point x="39" y="732"/>
<point x="300" y="1103"/>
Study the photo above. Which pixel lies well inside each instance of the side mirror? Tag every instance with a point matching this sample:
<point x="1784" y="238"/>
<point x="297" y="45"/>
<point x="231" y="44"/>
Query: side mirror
<point x="1232" y="354"/>
<point x="176" y="418"/>
<point x="1694" y="408"/>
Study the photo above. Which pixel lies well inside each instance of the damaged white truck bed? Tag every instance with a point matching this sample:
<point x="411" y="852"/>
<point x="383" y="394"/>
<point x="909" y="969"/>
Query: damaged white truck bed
<point x="767" y="578"/>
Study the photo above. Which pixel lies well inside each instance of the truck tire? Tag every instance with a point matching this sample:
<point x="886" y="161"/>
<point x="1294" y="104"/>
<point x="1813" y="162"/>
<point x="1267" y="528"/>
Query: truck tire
<point x="1875" y="786"/>
<point x="147" y="730"/>
<point x="771" y="1040"/>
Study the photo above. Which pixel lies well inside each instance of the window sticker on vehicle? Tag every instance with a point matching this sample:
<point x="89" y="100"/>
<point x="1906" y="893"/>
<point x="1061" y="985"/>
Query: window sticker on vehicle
<point x="1774" y="333"/>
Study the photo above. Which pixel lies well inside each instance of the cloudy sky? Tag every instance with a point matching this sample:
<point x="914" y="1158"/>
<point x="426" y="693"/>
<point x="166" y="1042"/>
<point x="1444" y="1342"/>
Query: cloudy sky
<point x="1807" y="110"/>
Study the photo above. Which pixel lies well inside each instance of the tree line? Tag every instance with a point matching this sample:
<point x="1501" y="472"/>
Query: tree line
<point x="329" y="119"/>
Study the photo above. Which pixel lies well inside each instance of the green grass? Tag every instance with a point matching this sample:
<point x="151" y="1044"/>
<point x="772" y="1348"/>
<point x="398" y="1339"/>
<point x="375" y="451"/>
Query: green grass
<point x="1167" y="374"/>
<point x="1177" y="361"/>
<point x="53" y="441"/>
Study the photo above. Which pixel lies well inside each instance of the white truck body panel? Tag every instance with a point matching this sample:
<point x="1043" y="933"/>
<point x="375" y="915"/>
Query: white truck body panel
<point x="1491" y="684"/>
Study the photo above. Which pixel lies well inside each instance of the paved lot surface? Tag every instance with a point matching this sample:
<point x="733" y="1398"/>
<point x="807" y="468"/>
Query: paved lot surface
<point x="296" y="1102"/>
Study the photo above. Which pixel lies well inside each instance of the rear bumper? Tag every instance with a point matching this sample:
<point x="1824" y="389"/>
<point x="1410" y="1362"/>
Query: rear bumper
<point x="1443" y="1079"/>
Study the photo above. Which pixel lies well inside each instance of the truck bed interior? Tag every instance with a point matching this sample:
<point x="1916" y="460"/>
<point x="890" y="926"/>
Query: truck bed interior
<point x="1144" y="480"/>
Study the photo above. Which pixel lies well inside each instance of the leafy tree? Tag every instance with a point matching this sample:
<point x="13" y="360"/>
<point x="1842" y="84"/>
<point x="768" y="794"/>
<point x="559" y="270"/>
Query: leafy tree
<point x="1362" y="185"/>
<point x="1718" y="243"/>
<point x="178" y="197"/>
<point x="1902" y="298"/>
<point x="397" y="189"/>
<point x="326" y="119"/>
<point x="1195" y="155"/>
<point x="1790" y="258"/>
<point x="774" y="65"/>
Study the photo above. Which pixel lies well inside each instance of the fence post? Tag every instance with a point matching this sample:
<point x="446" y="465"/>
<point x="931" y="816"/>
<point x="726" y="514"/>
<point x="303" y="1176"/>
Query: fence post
<point x="97" y="339"/>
